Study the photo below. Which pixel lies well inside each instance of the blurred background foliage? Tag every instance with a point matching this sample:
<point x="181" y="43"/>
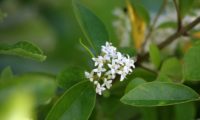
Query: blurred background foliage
<point x="51" y="25"/>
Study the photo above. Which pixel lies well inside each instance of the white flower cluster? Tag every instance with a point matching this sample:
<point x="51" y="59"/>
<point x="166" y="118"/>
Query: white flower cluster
<point x="108" y="65"/>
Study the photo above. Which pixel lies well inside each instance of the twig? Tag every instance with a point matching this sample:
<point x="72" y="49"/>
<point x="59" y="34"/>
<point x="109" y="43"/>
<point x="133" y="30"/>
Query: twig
<point x="179" y="21"/>
<point x="170" y="39"/>
<point x="182" y="31"/>
<point x="151" y="28"/>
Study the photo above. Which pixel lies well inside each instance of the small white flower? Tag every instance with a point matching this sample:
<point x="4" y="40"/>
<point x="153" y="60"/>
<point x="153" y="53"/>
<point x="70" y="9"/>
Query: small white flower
<point x="89" y="75"/>
<point x="100" y="89"/>
<point x="96" y="82"/>
<point x="126" y="69"/>
<point x="120" y="59"/>
<point x="129" y="64"/>
<point x="107" y="83"/>
<point x="99" y="70"/>
<point x="110" y="75"/>
<point x="108" y="49"/>
<point x="113" y="67"/>
<point x="122" y="75"/>
<point x="98" y="61"/>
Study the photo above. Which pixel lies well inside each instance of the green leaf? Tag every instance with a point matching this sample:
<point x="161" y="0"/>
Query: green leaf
<point x="43" y="86"/>
<point x="159" y="94"/>
<point x="70" y="76"/>
<point x="6" y="74"/>
<point x="185" y="6"/>
<point x="23" y="49"/>
<point x="191" y="65"/>
<point x="155" y="55"/>
<point x="171" y="71"/>
<point x="92" y="26"/>
<point x="134" y="83"/>
<point x="77" y="103"/>
<point x="180" y="113"/>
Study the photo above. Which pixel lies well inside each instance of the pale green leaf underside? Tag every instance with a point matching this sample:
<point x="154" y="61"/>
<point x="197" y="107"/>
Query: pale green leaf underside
<point x="77" y="103"/>
<point x="159" y="94"/>
<point x="23" y="49"/>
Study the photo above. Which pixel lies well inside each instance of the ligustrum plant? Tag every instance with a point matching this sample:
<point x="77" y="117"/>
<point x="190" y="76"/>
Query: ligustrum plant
<point x="156" y="53"/>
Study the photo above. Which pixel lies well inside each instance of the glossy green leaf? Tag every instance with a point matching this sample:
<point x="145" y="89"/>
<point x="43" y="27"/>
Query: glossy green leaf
<point x="134" y="83"/>
<point x="159" y="94"/>
<point x="91" y="25"/>
<point x="181" y="114"/>
<point x="155" y="55"/>
<point x="23" y="49"/>
<point x="185" y="6"/>
<point x="171" y="71"/>
<point x="191" y="65"/>
<point x="77" y="103"/>
<point x="42" y="86"/>
<point x="6" y="74"/>
<point x="70" y="76"/>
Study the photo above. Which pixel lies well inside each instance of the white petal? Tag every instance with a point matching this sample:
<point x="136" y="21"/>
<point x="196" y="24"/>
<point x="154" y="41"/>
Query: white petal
<point x="87" y="74"/>
<point x="99" y="74"/>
